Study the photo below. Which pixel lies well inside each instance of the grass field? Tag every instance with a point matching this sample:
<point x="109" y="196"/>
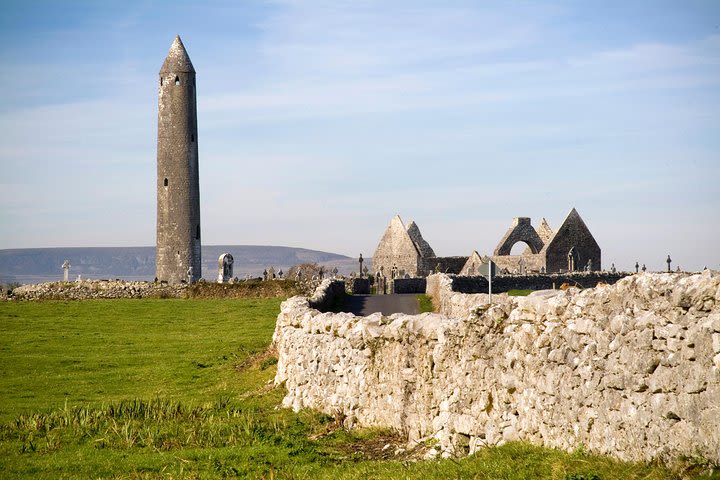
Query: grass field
<point x="182" y="389"/>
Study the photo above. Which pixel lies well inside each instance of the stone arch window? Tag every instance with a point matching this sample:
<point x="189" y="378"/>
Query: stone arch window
<point x="165" y="182"/>
<point x="177" y="80"/>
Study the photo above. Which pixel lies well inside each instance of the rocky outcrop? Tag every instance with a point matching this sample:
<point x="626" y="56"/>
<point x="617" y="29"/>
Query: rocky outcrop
<point x="631" y="369"/>
<point x="88" y="289"/>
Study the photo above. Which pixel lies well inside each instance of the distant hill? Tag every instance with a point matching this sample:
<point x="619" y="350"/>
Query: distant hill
<point x="33" y="265"/>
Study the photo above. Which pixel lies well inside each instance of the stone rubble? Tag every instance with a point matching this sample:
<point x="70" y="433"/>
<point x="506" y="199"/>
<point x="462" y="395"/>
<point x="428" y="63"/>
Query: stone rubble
<point x="630" y="370"/>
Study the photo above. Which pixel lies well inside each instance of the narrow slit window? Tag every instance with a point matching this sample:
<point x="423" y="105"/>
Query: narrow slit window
<point x="161" y="81"/>
<point x="165" y="182"/>
<point x="197" y="232"/>
<point x="177" y="80"/>
<point x="192" y="137"/>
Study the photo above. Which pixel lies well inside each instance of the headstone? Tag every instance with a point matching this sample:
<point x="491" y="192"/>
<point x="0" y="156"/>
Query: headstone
<point x="644" y="268"/>
<point x="225" y="268"/>
<point x="265" y="275"/>
<point x="613" y="269"/>
<point x="189" y="274"/>
<point x="521" y="264"/>
<point x="271" y="273"/>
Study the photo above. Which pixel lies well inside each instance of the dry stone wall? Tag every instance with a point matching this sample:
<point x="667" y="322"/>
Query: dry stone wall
<point x="631" y="369"/>
<point x="87" y="289"/>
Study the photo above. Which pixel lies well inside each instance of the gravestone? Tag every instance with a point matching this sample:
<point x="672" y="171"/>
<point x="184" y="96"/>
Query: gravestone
<point x="225" y="268"/>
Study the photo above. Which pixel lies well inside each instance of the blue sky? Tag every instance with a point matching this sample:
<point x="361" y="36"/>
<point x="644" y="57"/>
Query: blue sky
<point x="319" y="121"/>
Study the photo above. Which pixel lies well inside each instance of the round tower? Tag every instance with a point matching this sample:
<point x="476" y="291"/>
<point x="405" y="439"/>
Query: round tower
<point x="178" y="187"/>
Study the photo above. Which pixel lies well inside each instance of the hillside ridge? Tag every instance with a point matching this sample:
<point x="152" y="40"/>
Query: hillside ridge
<point x="33" y="265"/>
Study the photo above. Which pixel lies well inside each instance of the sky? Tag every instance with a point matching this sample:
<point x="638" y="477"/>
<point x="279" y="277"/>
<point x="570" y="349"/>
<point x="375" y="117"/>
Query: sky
<point x="318" y="121"/>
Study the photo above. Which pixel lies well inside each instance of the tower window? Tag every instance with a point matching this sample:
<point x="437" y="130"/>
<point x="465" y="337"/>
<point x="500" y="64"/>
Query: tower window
<point x="161" y="81"/>
<point x="197" y="232"/>
<point x="177" y="80"/>
<point x="165" y="182"/>
<point x="192" y="137"/>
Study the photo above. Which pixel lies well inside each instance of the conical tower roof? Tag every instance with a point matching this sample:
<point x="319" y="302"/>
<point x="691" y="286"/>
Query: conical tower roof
<point x="177" y="59"/>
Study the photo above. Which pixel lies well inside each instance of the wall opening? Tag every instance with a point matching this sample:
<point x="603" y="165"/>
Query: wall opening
<point x="192" y="137"/>
<point x="165" y="182"/>
<point x="161" y="81"/>
<point x="519" y="248"/>
<point x="197" y="232"/>
<point x="177" y="80"/>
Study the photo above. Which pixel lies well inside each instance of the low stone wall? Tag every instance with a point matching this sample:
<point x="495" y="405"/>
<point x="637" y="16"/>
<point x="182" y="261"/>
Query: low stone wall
<point x="409" y="285"/>
<point x="89" y="289"/>
<point x="631" y="369"/>
<point x="504" y="283"/>
<point x="358" y="286"/>
<point x="327" y="294"/>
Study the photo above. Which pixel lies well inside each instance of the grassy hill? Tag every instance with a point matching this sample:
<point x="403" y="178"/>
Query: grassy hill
<point x="183" y="389"/>
<point x="33" y="265"/>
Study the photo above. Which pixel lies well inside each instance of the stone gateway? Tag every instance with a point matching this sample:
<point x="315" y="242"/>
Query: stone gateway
<point x="178" y="187"/>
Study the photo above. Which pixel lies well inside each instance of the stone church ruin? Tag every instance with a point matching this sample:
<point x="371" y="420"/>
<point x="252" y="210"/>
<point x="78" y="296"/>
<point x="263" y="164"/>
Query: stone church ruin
<point x="402" y="251"/>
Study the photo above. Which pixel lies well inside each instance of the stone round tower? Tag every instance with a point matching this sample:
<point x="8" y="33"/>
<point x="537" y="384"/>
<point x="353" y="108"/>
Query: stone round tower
<point x="178" y="188"/>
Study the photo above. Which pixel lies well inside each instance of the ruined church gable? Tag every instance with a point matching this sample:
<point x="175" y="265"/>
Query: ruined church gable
<point x="396" y="249"/>
<point x="520" y="231"/>
<point x="422" y="246"/>
<point x="572" y="247"/>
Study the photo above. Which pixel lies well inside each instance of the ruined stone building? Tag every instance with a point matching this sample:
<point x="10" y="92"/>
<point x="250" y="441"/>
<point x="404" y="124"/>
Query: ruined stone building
<point x="403" y="251"/>
<point x="178" y="187"/>
<point x="572" y="247"/>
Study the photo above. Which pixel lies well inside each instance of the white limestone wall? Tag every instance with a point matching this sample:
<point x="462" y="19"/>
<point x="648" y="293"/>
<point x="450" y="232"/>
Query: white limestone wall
<point x="631" y="370"/>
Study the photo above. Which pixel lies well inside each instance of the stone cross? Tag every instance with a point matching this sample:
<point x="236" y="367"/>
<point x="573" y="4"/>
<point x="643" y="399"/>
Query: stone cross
<point x="637" y="267"/>
<point x="644" y="268"/>
<point x="668" y="262"/>
<point x="361" y="260"/>
<point x="66" y="270"/>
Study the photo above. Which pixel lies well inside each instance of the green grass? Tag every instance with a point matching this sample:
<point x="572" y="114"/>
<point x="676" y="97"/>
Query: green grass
<point x="425" y="303"/>
<point x="519" y="293"/>
<point x="179" y="389"/>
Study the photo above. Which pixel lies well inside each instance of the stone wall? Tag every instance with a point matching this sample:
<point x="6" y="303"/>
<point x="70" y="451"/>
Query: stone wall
<point x="631" y="369"/>
<point x="409" y="285"/>
<point x="443" y="265"/>
<point x="504" y="283"/>
<point x="327" y="294"/>
<point x="88" y="289"/>
<point x="358" y="286"/>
